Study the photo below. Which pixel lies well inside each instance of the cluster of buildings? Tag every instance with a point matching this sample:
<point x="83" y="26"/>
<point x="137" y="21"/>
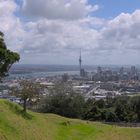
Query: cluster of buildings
<point x="110" y="82"/>
<point x="99" y="84"/>
<point x="122" y="74"/>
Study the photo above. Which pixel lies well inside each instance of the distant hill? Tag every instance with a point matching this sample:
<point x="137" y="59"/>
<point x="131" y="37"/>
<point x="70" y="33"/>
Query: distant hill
<point x="16" y="125"/>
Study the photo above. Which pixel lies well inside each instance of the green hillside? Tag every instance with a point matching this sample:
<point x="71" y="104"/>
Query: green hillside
<point x="15" y="125"/>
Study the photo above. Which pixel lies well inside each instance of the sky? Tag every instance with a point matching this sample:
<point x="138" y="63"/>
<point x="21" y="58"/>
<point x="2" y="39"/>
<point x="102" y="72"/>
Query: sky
<point x="54" y="32"/>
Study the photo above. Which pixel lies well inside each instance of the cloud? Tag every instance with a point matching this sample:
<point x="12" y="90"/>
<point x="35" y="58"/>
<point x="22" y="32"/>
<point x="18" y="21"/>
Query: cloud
<point x="58" y="9"/>
<point x="122" y="32"/>
<point x="46" y="35"/>
<point x="10" y="24"/>
<point x="7" y="7"/>
<point x="54" y="35"/>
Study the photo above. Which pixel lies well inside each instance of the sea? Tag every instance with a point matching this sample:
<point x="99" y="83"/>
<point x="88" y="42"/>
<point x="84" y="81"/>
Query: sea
<point x="39" y="71"/>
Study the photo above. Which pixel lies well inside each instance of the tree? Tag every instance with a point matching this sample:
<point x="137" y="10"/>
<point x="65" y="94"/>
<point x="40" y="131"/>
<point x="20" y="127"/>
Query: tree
<point x="121" y="107"/>
<point x="93" y="113"/>
<point x="100" y="103"/>
<point x="135" y="104"/>
<point x="7" y="57"/>
<point x="26" y="91"/>
<point x="63" y="100"/>
<point x="110" y="116"/>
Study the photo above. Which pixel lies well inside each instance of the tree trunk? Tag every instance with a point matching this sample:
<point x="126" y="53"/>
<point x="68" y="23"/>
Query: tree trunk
<point x="24" y="105"/>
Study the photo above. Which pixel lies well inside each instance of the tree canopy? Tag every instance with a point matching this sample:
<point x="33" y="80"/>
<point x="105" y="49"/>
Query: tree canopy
<point x="7" y="57"/>
<point x="26" y="91"/>
<point x="63" y="100"/>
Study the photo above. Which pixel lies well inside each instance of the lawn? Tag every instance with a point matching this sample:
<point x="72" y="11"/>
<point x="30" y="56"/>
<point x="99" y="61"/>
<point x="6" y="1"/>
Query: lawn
<point x="16" y="125"/>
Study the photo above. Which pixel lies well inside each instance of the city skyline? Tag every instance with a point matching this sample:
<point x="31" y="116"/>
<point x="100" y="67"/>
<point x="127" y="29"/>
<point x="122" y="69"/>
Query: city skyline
<point x="106" y="32"/>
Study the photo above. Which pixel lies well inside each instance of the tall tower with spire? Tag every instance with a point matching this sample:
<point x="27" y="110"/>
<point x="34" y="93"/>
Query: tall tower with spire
<point x="80" y="62"/>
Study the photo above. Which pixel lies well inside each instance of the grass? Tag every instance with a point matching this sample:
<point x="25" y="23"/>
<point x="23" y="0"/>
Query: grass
<point x="16" y="125"/>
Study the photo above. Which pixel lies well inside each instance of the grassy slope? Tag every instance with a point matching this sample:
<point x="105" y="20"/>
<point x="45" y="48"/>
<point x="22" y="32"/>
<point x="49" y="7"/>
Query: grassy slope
<point x="15" y="125"/>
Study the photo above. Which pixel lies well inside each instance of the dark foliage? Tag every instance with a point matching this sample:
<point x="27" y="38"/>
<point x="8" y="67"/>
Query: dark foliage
<point x="119" y="109"/>
<point x="64" y="101"/>
<point x="7" y="57"/>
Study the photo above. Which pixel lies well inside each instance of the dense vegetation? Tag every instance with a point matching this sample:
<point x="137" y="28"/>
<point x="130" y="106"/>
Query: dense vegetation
<point x="64" y="101"/>
<point x="119" y="109"/>
<point x="7" y="57"/>
<point x="18" y="125"/>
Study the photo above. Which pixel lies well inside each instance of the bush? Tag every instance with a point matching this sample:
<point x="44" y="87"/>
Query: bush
<point x="63" y="101"/>
<point x="111" y="116"/>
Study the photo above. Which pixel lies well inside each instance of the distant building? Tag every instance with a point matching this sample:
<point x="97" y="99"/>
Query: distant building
<point x="80" y="62"/>
<point x="121" y="71"/>
<point x="65" y="77"/>
<point x="133" y="73"/>
<point x="83" y="73"/>
<point x="133" y="70"/>
<point x="99" y="70"/>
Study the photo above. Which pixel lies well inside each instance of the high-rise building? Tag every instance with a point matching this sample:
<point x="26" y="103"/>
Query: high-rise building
<point x="99" y="70"/>
<point x="121" y="71"/>
<point x="80" y="63"/>
<point x="82" y="71"/>
<point x="133" y="70"/>
<point x="133" y="73"/>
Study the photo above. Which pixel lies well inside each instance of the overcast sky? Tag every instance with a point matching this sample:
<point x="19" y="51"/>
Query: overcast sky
<point x="54" y="31"/>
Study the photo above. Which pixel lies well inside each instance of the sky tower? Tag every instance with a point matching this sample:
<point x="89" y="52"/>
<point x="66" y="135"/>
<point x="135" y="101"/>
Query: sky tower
<point x="80" y="62"/>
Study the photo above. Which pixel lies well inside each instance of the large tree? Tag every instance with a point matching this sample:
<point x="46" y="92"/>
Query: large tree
<point x="7" y="57"/>
<point x="27" y="91"/>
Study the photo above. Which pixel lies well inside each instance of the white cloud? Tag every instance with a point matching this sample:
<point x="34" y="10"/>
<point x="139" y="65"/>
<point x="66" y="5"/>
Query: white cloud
<point x="47" y="36"/>
<point x="55" y="35"/>
<point x="123" y="32"/>
<point x="10" y="24"/>
<point x="7" y="7"/>
<point x="58" y="9"/>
